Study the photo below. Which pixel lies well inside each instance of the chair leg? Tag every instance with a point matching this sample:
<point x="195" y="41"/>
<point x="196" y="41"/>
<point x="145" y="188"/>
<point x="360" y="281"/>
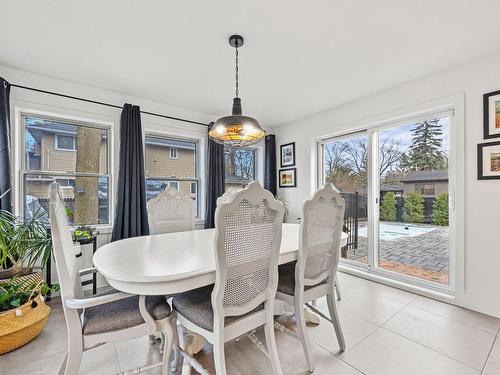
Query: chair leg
<point x="337" y="288"/>
<point x="332" y="308"/>
<point x="219" y="355"/>
<point x="186" y="368"/>
<point x="301" y="327"/>
<point x="168" y="335"/>
<point x="271" y="344"/>
<point x="73" y="359"/>
<point x="175" y="361"/>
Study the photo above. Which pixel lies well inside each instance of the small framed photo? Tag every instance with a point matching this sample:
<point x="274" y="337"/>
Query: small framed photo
<point x="288" y="177"/>
<point x="488" y="161"/>
<point x="491" y="114"/>
<point x="287" y="155"/>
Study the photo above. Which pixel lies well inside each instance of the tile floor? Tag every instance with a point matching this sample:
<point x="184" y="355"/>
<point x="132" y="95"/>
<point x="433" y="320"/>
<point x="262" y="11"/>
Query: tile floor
<point x="388" y="331"/>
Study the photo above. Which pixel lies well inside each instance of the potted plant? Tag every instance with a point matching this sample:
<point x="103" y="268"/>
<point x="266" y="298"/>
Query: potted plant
<point x="25" y="247"/>
<point x="23" y="312"/>
<point x="84" y="233"/>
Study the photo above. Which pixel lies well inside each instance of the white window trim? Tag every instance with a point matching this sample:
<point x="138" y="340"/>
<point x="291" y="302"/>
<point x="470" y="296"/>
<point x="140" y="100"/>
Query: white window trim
<point x="174" y="153"/>
<point x="454" y="104"/>
<point x="18" y="111"/>
<point x="56" y="143"/>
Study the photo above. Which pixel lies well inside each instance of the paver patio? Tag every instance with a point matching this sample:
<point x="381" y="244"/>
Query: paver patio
<point x="424" y="255"/>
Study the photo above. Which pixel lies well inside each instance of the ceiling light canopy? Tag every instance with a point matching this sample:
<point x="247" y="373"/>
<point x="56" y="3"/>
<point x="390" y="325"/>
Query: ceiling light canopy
<point x="236" y="130"/>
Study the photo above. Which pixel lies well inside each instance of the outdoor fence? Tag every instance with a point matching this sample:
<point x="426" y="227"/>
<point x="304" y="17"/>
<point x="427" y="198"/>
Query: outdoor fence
<point x="428" y="206"/>
<point x="356" y="209"/>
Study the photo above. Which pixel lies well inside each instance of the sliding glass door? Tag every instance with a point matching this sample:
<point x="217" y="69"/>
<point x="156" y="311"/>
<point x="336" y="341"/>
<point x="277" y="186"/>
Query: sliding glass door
<point x="345" y="166"/>
<point x="396" y="185"/>
<point x="413" y="233"/>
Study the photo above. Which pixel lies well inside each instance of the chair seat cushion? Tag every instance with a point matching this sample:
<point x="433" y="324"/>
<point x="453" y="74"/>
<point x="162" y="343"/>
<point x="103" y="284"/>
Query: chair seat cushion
<point x="122" y="314"/>
<point x="196" y="306"/>
<point x="286" y="283"/>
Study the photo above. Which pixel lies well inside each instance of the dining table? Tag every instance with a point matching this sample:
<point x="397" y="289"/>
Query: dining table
<point x="171" y="263"/>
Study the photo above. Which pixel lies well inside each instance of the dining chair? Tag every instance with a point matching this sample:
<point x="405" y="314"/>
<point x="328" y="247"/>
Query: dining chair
<point x="247" y="242"/>
<point x="314" y="273"/>
<point x="171" y="211"/>
<point x="100" y="319"/>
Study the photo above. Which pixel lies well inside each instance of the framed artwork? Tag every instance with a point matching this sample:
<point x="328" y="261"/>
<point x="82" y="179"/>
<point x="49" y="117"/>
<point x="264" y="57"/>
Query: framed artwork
<point x="288" y="177"/>
<point x="491" y="114"/>
<point x="488" y="161"/>
<point x="287" y="155"/>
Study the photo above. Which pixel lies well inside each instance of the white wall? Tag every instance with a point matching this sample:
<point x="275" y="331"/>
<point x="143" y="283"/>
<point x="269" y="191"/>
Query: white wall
<point x="478" y="278"/>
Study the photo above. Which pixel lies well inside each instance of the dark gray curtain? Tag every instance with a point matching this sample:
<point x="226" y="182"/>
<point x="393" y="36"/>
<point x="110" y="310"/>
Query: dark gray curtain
<point x="5" y="164"/>
<point x="216" y="180"/>
<point x="270" y="164"/>
<point x="131" y="219"/>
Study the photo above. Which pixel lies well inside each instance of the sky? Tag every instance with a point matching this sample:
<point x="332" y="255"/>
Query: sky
<point x="403" y="134"/>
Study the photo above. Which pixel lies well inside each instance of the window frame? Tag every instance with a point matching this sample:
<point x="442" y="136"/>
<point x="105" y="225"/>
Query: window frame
<point x="453" y="108"/>
<point x="56" y="143"/>
<point x="148" y="132"/>
<point x="174" y="182"/>
<point x="420" y="187"/>
<point x="21" y="159"/>
<point x="174" y="155"/>
<point x="255" y="151"/>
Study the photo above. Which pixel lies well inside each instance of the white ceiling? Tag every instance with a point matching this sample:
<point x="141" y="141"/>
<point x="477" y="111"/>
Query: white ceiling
<point x="300" y="57"/>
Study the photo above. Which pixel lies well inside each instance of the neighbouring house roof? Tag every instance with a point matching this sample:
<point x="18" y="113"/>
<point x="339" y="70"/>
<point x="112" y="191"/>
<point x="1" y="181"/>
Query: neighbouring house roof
<point x="52" y="127"/>
<point x="420" y="176"/>
<point x="392" y="187"/>
<point x="170" y="143"/>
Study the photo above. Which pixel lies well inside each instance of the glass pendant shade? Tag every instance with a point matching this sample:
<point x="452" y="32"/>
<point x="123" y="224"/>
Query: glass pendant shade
<point x="236" y="130"/>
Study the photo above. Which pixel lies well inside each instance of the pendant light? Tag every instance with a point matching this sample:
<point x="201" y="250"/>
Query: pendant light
<point x="236" y="130"/>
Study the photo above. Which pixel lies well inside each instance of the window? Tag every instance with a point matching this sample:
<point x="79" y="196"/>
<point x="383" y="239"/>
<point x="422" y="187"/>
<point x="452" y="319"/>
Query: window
<point x="65" y="142"/>
<point x="425" y="189"/>
<point x="83" y="176"/>
<point x="394" y="178"/>
<point x="239" y="165"/>
<point x="162" y="172"/>
<point x="174" y="185"/>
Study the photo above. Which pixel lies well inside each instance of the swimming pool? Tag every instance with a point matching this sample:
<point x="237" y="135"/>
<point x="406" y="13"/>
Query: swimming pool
<point x="391" y="231"/>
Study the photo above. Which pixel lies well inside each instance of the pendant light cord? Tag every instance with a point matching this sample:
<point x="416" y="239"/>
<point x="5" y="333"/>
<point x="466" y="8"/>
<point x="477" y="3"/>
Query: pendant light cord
<point x="237" y="70"/>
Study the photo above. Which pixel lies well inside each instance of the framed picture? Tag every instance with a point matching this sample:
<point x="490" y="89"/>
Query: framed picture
<point x="288" y="177"/>
<point x="488" y="161"/>
<point x="491" y="114"/>
<point x="287" y="155"/>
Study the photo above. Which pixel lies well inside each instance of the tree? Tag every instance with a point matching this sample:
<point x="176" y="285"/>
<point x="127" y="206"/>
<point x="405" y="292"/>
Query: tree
<point x="388" y="207"/>
<point x="240" y="163"/>
<point x="440" y="210"/>
<point x="425" y="152"/>
<point x="86" y="191"/>
<point x="389" y="155"/>
<point x="346" y="162"/>
<point x="413" y="208"/>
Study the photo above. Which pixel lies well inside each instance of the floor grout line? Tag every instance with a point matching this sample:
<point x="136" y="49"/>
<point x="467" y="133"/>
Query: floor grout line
<point x="454" y="320"/>
<point x="431" y="349"/>
<point x="489" y="353"/>
<point x="354" y="367"/>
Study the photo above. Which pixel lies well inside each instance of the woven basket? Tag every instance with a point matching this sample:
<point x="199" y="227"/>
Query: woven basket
<point x="15" y="331"/>
<point x="26" y="280"/>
